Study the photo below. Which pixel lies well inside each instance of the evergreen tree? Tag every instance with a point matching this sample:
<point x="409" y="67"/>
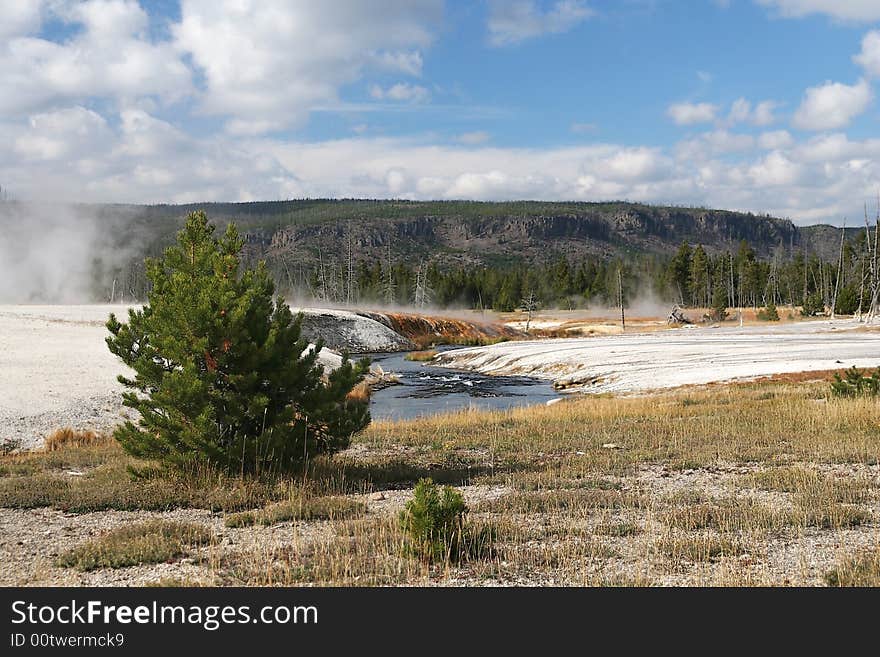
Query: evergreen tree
<point x="699" y="277"/>
<point x="221" y="372"/>
<point x="719" y="303"/>
<point x="769" y="313"/>
<point x="813" y="305"/>
<point x="680" y="272"/>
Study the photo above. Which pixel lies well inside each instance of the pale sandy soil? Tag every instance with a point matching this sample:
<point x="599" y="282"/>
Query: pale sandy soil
<point x="56" y="370"/>
<point x="691" y="355"/>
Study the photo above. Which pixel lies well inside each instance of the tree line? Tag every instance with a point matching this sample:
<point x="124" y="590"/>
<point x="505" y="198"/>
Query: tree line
<point x="690" y="277"/>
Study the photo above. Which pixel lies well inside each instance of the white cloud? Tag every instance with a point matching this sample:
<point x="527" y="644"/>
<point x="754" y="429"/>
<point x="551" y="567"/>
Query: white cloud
<point x="473" y="138"/>
<point x="869" y="57"/>
<point x="690" y="113"/>
<point x="69" y="133"/>
<point x="741" y="111"/>
<point x="133" y="156"/>
<point x="514" y="21"/>
<point x="409" y="63"/>
<point x="401" y="92"/>
<point x="19" y="18"/>
<point x="832" y="105"/>
<point x="775" y="140"/>
<point x="109" y="56"/>
<point x="848" y="10"/>
<point x="775" y="170"/>
<point x="763" y="113"/>
<point x="266" y="64"/>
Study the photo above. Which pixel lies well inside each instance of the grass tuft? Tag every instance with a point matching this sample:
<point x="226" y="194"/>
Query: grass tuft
<point x="318" y="508"/>
<point x="154" y="541"/>
<point x="861" y="569"/>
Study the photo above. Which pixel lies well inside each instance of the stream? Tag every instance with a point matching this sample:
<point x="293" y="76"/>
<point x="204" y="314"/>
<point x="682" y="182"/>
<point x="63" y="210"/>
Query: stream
<point x="426" y="390"/>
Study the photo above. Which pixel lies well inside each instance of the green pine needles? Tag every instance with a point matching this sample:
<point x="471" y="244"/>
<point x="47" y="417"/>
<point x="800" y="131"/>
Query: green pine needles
<point x="434" y="521"/>
<point x="855" y="383"/>
<point x="222" y="374"/>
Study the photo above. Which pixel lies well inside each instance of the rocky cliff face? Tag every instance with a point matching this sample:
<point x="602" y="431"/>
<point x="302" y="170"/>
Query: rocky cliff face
<point x="583" y="232"/>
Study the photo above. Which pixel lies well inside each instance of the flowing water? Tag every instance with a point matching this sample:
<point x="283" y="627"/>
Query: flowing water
<point x="425" y="390"/>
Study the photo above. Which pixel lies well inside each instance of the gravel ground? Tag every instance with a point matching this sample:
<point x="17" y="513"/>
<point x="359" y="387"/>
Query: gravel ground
<point x="31" y="539"/>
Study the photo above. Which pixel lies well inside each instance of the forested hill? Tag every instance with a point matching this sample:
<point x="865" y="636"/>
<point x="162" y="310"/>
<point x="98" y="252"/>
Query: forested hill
<point x="488" y="233"/>
<point x="349" y="251"/>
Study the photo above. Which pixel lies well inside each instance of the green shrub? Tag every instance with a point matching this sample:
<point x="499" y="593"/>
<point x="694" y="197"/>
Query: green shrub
<point x="769" y="313"/>
<point x="434" y="521"/>
<point x="854" y="383"/>
<point x="813" y="305"/>
<point x="222" y="373"/>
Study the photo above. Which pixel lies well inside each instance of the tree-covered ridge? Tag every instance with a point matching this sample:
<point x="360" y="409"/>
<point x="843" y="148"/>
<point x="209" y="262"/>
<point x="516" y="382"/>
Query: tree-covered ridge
<point x="486" y="254"/>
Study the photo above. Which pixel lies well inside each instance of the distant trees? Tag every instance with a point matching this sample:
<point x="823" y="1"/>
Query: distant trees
<point x="695" y="275"/>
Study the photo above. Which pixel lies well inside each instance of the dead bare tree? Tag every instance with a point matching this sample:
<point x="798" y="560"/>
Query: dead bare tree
<point x="422" y="291"/>
<point x="873" y="283"/>
<point x="350" y="267"/>
<point x="839" y="270"/>
<point x="529" y="304"/>
<point x="389" y="277"/>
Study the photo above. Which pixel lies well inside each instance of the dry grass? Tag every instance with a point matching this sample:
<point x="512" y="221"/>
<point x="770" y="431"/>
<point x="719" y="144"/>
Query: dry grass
<point x="67" y="438"/>
<point x="571" y="501"/>
<point x="316" y="508"/>
<point x="862" y="569"/>
<point x="153" y="541"/>
<point x="361" y="392"/>
<point x="704" y="546"/>
<point x="713" y="485"/>
<point x="421" y="356"/>
<point x="738" y="424"/>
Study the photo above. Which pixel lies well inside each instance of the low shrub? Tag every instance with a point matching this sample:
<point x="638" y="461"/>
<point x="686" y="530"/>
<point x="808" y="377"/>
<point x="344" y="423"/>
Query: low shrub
<point x="855" y="383"/>
<point x="433" y="521"/>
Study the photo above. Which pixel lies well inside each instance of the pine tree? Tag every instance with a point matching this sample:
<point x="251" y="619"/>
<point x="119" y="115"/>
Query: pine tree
<point x="719" y="303"/>
<point x="222" y="374"/>
<point x="699" y="277"/>
<point x="679" y="272"/>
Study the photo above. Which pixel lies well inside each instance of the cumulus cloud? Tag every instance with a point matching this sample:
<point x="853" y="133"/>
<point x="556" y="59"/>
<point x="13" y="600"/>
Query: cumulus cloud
<point x="775" y="139"/>
<point x="832" y="105"/>
<point x="78" y="154"/>
<point x="714" y="143"/>
<point x="19" y="18"/>
<point x="111" y="55"/>
<point x="848" y="10"/>
<point x="690" y="113"/>
<point x="869" y="57"/>
<point x="267" y="63"/>
<point x="401" y="92"/>
<point x="69" y="133"/>
<point x="514" y="21"/>
<point x="741" y="111"/>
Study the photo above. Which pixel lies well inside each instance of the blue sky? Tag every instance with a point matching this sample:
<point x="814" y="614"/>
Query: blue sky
<point x="761" y="105"/>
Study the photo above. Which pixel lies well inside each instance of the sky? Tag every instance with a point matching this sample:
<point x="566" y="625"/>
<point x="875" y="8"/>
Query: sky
<point x="768" y="106"/>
